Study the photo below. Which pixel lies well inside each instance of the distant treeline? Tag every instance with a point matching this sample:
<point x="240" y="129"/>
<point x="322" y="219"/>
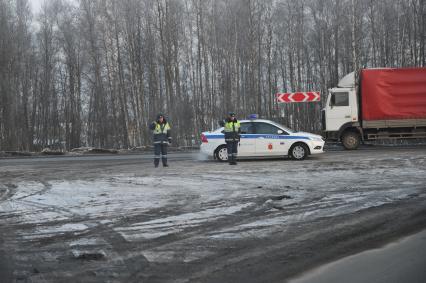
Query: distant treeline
<point x="96" y="72"/>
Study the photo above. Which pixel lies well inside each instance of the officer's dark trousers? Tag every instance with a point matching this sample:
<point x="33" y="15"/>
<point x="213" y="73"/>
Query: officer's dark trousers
<point x="160" y="151"/>
<point x="232" y="147"/>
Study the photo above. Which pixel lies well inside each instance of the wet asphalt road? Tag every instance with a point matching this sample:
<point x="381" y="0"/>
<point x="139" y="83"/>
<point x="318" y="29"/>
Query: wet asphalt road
<point x="143" y="158"/>
<point x="334" y="150"/>
<point x="401" y="261"/>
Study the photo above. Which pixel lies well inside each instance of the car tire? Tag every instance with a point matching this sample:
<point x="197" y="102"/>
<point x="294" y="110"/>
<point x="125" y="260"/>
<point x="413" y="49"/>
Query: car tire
<point x="351" y="140"/>
<point x="221" y="153"/>
<point x="299" y="151"/>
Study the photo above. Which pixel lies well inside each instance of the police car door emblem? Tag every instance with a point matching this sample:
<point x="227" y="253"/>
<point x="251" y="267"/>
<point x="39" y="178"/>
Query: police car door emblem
<point x="270" y="146"/>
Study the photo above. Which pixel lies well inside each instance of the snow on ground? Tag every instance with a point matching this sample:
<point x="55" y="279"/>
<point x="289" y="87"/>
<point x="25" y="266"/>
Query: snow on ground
<point x="180" y="200"/>
<point x="191" y="211"/>
<point x="175" y="224"/>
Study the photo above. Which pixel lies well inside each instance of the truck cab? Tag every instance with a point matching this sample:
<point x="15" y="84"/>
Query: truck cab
<point x="340" y="114"/>
<point x="341" y="108"/>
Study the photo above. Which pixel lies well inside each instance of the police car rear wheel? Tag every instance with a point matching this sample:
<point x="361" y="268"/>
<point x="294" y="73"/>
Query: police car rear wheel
<point x="298" y="151"/>
<point x="222" y="153"/>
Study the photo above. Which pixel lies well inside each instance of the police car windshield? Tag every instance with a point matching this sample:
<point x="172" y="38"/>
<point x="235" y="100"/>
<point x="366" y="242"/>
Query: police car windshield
<point x="282" y="127"/>
<point x="288" y="130"/>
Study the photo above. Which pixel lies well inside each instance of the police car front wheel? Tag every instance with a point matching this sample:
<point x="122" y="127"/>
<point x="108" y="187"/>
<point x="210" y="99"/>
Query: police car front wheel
<point x="298" y="151"/>
<point x="222" y="153"/>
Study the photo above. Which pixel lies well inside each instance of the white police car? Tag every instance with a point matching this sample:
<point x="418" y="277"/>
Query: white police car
<point x="263" y="138"/>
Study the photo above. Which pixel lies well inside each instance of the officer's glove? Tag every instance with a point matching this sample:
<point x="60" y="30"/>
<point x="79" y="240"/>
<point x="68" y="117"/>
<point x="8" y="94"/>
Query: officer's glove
<point x="170" y="140"/>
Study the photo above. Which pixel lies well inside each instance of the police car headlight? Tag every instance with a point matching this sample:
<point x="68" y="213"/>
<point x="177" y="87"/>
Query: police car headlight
<point x="315" y="138"/>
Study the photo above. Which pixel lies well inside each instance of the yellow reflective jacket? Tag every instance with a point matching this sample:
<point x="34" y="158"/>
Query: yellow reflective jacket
<point x="161" y="132"/>
<point x="232" y="130"/>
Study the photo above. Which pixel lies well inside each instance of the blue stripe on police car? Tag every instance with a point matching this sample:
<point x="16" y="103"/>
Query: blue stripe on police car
<point x="254" y="136"/>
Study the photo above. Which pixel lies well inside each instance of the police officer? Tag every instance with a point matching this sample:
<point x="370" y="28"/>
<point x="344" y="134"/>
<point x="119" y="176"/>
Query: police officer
<point x="232" y="137"/>
<point x="161" y="131"/>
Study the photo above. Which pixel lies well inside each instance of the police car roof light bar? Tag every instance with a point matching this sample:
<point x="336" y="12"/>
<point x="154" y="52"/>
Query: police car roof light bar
<point x="253" y="116"/>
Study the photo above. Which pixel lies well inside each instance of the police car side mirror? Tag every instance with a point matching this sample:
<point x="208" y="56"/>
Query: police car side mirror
<point x="280" y="132"/>
<point x="221" y="123"/>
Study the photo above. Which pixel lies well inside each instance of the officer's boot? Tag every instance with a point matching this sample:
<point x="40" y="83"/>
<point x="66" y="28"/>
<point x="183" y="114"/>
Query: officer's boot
<point x="156" y="162"/>
<point x="165" y="162"/>
<point x="234" y="159"/>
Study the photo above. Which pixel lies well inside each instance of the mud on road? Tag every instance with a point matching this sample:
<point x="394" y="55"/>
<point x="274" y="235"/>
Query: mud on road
<point x="117" y="219"/>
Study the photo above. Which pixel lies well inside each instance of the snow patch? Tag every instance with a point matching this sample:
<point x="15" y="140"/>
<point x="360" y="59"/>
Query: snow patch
<point x="175" y="224"/>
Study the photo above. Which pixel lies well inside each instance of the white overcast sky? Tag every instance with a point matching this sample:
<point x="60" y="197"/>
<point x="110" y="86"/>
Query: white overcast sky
<point x="36" y="5"/>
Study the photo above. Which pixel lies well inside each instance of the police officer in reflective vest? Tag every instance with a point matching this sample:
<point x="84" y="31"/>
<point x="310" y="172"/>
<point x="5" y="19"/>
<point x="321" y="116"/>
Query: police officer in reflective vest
<point x="161" y="131"/>
<point x="232" y="137"/>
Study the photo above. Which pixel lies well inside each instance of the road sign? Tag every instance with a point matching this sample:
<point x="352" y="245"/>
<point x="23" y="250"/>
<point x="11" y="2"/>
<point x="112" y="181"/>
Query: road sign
<point x="298" y="97"/>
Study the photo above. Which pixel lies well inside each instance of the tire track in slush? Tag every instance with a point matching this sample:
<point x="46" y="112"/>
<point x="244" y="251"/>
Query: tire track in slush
<point x="46" y="187"/>
<point x="7" y="191"/>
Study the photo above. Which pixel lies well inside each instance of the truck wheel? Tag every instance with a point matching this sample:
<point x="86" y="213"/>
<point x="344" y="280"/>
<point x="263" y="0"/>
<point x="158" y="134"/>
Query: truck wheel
<point x="351" y="140"/>
<point x="298" y="151"/>
<point x="222" y="153"/>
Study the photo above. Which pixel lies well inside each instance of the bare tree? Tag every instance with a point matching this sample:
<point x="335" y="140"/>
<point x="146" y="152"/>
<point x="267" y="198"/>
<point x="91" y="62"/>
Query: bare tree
<point x="96" y="72"/>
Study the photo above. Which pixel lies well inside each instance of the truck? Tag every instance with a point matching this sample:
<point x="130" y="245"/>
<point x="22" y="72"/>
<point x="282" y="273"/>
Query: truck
<point x="389" y="103"/>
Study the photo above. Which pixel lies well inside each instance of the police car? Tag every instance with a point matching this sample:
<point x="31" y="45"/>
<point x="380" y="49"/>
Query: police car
<point x="263" y="138"/>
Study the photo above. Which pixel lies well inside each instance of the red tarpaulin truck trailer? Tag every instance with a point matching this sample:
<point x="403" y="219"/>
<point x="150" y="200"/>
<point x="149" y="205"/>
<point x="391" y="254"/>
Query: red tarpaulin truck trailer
<point x="391" y="103"/>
